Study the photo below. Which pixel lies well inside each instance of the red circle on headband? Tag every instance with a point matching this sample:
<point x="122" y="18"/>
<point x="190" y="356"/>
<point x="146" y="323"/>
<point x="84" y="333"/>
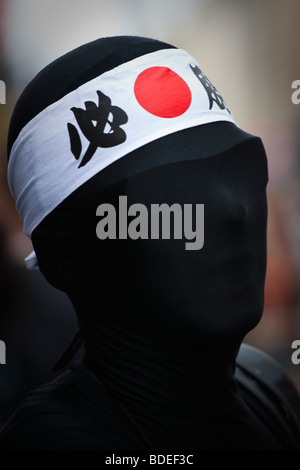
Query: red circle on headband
<point x="162" y="92"/>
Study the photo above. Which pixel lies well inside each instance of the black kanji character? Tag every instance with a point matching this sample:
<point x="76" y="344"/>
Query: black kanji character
<point x="99" y="124"/>
<point x="212" y="92"/>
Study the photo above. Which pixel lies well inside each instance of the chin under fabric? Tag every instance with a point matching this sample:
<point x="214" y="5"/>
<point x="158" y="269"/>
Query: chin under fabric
<point x="151" y="215"/>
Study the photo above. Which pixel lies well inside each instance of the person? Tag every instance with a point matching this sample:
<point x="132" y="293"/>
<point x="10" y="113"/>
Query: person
<point x="146" y="204"/>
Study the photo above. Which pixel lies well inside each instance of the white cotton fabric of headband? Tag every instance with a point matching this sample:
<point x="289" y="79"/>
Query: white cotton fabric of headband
<point x="101" y="121"/>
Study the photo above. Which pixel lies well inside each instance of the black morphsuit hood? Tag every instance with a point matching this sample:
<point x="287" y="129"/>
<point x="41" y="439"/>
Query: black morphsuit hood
<point x="162" y="324"/>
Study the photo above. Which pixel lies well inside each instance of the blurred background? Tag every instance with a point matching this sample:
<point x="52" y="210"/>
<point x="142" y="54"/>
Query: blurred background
<point x="249" y="50"/>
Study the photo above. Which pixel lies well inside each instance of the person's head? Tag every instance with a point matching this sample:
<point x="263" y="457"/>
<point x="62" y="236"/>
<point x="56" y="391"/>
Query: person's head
<point x="144" y="201"/>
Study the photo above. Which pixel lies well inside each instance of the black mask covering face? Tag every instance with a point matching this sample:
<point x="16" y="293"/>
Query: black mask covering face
<point x="162" y="324"/>
<point x="157" y="288"/>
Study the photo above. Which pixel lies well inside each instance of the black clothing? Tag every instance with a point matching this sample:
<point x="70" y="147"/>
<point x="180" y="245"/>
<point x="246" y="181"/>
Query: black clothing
<point x="77" y="412"/>
<point x="162" y="325"/>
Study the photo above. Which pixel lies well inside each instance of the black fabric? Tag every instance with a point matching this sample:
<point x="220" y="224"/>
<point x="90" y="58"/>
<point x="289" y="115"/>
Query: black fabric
<point x="162" y="325"/>
<point x="270" y="393"/>
<point x="173" y="287"/>
<point x="76" y="412"/>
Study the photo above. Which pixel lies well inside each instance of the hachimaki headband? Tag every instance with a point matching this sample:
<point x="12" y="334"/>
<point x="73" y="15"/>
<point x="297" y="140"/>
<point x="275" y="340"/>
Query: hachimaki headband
<point x="101" y="121"/>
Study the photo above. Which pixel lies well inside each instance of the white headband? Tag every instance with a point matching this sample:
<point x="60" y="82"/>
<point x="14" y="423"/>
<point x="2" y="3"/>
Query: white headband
<point x="101" y="121"/>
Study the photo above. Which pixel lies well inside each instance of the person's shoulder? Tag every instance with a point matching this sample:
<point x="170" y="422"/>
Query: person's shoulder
<point x="72" y="412"/>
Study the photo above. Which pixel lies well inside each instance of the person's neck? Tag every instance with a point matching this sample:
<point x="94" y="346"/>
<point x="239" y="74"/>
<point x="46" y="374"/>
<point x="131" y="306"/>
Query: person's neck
<point x="151" y="378"/>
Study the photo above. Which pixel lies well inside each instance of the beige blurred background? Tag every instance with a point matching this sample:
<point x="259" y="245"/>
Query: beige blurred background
<point x="249" y="50"/>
